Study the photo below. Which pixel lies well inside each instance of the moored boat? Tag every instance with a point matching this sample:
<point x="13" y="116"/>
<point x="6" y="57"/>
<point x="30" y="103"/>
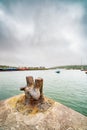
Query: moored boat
<point x="85" y="72"/>
<point x="58" y="71"/>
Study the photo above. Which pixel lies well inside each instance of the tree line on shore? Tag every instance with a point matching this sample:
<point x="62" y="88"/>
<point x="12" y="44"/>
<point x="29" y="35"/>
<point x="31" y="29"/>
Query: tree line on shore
<point x="12" y="68"/>
<point x="78" y="67"/>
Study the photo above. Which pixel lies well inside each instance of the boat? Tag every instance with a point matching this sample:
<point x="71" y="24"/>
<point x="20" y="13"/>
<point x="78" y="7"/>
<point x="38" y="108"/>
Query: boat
<point x="85" y="72"/>
<point x="57" y="71"/>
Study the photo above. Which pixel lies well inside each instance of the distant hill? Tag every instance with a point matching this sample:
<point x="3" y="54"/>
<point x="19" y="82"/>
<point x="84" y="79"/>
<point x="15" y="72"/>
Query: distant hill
<point x="80" y="67"/>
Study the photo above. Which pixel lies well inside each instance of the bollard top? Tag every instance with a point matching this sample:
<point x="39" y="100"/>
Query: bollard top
<point x="29" y="80"/>
<point x="38" y="82"/>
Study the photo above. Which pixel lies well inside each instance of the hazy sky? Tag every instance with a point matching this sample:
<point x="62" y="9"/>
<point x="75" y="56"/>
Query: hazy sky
<point x="43" y="32"/>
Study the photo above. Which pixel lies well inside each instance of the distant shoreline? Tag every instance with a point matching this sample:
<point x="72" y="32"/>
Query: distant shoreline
<point x="7" y="70"/>
<point x="10" y="68"/>
<point x="76" y="67"/>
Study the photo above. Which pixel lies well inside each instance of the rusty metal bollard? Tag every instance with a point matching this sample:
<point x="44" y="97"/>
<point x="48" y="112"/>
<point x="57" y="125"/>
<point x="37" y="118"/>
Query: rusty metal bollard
<point x="33" y="91"/>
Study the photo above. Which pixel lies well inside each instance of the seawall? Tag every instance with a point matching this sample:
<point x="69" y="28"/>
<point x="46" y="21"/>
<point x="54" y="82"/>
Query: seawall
<point x="50" y="115"/>
<point x="34" y="111"/>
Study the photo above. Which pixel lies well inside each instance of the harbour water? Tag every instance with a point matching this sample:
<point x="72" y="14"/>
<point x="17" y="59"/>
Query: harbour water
<point x="68" y="87"/>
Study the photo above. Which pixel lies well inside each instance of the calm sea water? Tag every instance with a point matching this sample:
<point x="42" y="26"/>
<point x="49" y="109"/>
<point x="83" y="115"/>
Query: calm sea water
<point x="69" y="87"/>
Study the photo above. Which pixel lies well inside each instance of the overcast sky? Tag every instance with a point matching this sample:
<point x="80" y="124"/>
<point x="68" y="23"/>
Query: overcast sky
<point x="43" y="32"/>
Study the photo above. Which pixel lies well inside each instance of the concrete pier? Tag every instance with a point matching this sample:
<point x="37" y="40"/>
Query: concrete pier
<point x="34" y="111"/>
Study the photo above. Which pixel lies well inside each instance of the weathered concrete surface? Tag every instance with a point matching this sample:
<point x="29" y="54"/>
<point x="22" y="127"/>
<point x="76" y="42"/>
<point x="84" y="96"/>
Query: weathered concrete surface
<point x="49" y="115"/>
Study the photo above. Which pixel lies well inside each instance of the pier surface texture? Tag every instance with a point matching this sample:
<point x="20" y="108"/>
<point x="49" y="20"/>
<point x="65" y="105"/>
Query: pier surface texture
<point x="34" y="111"/>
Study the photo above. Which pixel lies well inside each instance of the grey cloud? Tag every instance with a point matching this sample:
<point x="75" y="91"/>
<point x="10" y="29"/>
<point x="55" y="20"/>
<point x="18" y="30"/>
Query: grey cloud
<point x="49" y="31"/>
